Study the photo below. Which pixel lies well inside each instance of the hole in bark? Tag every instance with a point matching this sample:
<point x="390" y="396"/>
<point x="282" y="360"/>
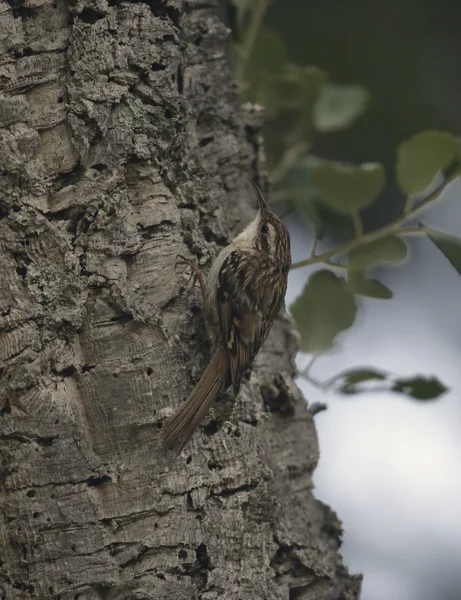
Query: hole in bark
<point x="205" y="141"/>
<point x="168" y="114"/>
<point x="86" y="368"/>
<point x="51" y="590"/>
<point x="20" y="11"/>
<point x="159" y="425"/>
<point x="30" y="493"/>
<point x="212" y="465"/>
<point x="168" y="38"/>
<point x="182" y="554"/>
<point x="160" y="576"/>
<point x="64" y="179"/>
<point x="21" y="271"/>
<point x="46" y="440"/>
<point x="111" y="212"/>
<point x="6" y="409"/>
<point x="149" y="371"/>
<point x="125" y="318"/>
<point x="36" y="515"/>
<point x="202" y="556"/>
<point x="212" y="427"/>
<point x="60" y="100"/>
<point x="201" y="567"/>
<point x="114" y="374"/>
<point x="70" y="371"/>
<point x="99" y="167"/>
<point x="157" y="67"/>
<point x="173" y="13"/>
<point x="73" y="548"/>
<point x="188" y="460"/>
<point x="97" y="481"/>
<point x="295" y="593"/>
<point x="90" y="16"/>
<point x="180" y="80"/>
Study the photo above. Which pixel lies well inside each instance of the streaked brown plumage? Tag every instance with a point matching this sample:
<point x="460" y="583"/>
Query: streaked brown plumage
<point x="243" y="293"/>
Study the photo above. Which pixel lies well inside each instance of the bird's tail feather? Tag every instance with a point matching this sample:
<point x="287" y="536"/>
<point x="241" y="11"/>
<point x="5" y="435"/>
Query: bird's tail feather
<point x="194" y="409"/>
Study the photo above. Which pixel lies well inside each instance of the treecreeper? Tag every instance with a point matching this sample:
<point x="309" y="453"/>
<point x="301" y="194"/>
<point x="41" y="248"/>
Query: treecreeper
<point x="242" y="294"/>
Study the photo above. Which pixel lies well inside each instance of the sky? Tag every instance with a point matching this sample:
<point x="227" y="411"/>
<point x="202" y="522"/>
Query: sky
<point x="391" y="466"/>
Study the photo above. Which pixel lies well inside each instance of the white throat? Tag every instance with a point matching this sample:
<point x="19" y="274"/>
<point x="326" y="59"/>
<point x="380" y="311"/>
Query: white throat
<point x="249" y="234"/>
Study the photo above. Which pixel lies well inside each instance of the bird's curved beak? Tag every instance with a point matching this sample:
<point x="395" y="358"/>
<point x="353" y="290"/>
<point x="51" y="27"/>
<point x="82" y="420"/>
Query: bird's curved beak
<point x="261" y="200"/>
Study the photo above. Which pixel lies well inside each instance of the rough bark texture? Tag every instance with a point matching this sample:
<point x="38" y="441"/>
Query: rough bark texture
<point x="122" y="145"/>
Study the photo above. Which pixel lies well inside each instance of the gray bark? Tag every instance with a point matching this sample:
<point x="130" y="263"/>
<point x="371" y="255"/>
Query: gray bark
<point x="122" y="145"/>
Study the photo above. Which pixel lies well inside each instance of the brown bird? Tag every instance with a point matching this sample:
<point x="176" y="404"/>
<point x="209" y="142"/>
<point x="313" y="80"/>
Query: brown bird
<point x="242" y="294"/>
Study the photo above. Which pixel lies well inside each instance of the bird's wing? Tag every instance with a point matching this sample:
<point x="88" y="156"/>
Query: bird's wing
<point x="243" y="326"/>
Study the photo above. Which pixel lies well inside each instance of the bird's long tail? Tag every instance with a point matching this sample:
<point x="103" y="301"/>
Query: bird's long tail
<point x="194" y="409"/>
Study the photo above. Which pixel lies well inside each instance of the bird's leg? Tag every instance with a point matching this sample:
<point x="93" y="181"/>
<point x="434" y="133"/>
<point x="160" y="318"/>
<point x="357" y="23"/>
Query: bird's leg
<point x="197" y="273"/>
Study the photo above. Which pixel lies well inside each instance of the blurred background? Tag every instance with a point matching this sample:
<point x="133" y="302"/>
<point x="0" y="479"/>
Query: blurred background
<point x="390" y="464"/>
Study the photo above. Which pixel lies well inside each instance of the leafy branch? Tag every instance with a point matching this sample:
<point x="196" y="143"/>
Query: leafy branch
<point x="396" y="227"/>
<point x="327" y="305"/>
<point x="357" y="381"/>
<point x="300" y="104"/>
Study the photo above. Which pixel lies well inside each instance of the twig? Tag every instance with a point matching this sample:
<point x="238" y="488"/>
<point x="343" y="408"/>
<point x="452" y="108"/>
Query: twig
<point x="358" y="227"/>
<point x="392" y="228"/>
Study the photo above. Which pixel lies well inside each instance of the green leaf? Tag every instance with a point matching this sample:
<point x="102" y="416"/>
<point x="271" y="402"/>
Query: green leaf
<point x="337" y="106"/>
<point x="272" y="81"/>
<point x="263" y="70"/>
<point x="420" y="388"/>
<point x="296" y="90"/>
<point x="390" y="250"/>
<point x="350" y="379"/>
<point x="449" y="245"/>
<point x="420" y="158"/>
<point x="348" y="188"/>
<point x="372" y="288"/>
<point x="324" y="309"/>
<point x="268" y="55"/>
<point x="301" y="86"/>
<point x="311" y="213"/>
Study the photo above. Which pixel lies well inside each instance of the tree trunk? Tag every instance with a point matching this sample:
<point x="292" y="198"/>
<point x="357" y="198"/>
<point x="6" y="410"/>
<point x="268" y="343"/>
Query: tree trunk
<point x="122" y="145"/>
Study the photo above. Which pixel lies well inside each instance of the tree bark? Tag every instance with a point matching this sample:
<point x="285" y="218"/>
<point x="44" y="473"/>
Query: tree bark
<point x="123" y="144"/>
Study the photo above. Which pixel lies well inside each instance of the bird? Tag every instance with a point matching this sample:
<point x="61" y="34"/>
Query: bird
<point x="242" y="294"/>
